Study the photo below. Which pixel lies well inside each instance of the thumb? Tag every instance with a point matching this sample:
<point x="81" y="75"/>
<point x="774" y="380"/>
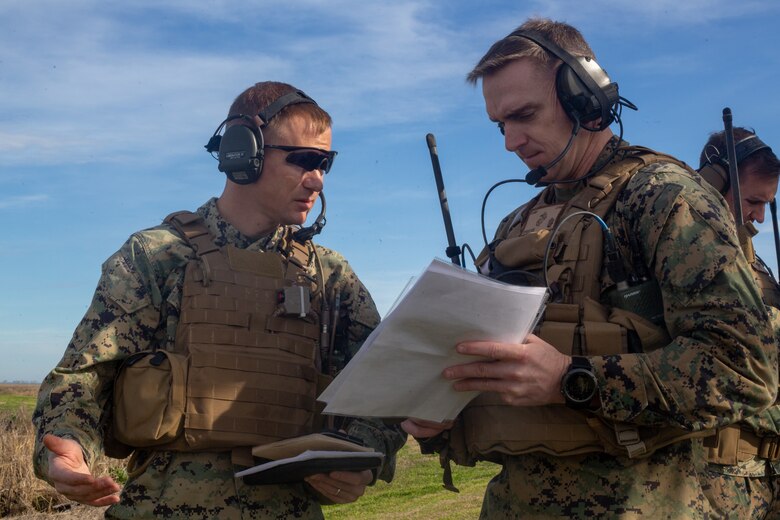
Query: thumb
<point x="61" y="447"/>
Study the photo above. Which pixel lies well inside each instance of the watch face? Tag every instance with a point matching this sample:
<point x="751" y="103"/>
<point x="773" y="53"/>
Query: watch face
<point x="580" y="385"/>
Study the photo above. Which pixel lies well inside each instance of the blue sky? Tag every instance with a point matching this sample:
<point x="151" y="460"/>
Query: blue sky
<point x="106" y="107"/>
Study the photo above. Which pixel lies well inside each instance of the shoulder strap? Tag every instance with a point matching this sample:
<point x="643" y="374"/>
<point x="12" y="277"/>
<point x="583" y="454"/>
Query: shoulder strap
<point x="193" y="230"/>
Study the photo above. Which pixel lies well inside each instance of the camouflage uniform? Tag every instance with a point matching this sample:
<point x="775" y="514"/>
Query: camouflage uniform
<point x="135" y="307"/>
<point x="720" y="366"/>
<point x="751" y="488"/>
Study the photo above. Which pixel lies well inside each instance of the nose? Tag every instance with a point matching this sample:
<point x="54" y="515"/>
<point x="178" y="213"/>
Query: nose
<point x="313" y="180"/>
<point x="758" y="213"/>
<point x="514" y="137"/>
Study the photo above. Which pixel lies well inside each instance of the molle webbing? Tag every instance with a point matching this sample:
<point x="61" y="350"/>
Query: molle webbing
<point x="252" y="370"/>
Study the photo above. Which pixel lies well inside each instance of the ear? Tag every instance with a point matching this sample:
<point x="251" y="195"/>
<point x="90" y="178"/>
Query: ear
<point x="593" y="125"/>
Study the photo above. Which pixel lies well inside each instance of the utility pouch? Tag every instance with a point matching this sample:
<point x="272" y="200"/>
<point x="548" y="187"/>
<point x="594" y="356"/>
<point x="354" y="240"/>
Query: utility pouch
<point x="149" y="398"/>
<point x="527" y="250"/>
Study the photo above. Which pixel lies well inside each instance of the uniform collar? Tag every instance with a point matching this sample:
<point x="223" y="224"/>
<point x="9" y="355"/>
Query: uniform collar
<point x="564" y="192"/>
<point x="226" y="234"/>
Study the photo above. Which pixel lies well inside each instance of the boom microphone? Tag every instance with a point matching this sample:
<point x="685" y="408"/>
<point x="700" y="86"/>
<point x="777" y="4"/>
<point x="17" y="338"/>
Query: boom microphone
<point x="533" y="176"/>
<point x="305" y="234"/>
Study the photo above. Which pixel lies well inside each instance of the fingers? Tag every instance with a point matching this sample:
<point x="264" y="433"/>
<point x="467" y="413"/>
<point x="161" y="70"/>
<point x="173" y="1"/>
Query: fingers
<point x="492" y="349"/>
<point x="423" y="429"/>
<point x="354" y="478"/>
<point x="100" y="491"/>
<point x="90" y="497"/>
<point x="105" y="501"/>
<point x="482" y="370"/>
<point x="341" y="487"/>
<point x="523" y="374"/>
<point x="71" y="476"/>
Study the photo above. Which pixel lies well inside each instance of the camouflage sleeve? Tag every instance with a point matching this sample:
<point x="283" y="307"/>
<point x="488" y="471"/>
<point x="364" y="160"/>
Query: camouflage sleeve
<point x="768" y="421"/>
<point x="357" y="318"/>
<point x="73" y="399"/>
<point x="721" y="365"/>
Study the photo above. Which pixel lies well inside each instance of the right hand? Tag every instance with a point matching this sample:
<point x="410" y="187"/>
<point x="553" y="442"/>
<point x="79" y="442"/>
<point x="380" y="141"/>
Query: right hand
<point x="70" y="474"/>
<point x="420" y="429"/>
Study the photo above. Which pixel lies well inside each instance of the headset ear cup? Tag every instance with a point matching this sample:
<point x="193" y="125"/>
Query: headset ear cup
<point x="240" y="156"/>
<point x="717" y="176"/>
<point x="574" y="96"/>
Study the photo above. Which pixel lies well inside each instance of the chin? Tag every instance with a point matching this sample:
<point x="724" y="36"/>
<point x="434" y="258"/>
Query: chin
<point x="297" y="220"/>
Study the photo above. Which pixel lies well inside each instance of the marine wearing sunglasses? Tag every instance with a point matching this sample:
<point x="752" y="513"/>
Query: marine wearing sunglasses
<point x="306" y="157"/>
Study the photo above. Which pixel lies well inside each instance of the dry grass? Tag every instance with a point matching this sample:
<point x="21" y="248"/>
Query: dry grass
<point x="21" y="493"/>
<point x="14" y="389"/>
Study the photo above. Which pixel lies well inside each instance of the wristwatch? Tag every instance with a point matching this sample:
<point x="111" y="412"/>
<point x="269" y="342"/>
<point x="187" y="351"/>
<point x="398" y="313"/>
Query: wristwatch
<point x="578" y="384"/>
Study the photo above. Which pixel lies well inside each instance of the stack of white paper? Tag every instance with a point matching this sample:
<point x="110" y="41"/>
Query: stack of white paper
<point x="397" y="373"/>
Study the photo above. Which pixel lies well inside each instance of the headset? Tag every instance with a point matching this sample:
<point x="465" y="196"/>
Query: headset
<point x="715" y="169"/>
<point x="583" y="87"/>
<point x="242" y="147"/>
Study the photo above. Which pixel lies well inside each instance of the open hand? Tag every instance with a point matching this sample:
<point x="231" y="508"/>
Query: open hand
<point x="71" y="476"/>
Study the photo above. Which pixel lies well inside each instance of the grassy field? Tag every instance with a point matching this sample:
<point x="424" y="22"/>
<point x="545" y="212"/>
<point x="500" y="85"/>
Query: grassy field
<point x="416" y="491"/>
<point x="16" y="397"/>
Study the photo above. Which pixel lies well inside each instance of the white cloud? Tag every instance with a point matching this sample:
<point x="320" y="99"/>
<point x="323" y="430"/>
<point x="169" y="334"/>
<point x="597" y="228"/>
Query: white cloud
<point x="101" y="86"/>
<point x="20" y="201"/>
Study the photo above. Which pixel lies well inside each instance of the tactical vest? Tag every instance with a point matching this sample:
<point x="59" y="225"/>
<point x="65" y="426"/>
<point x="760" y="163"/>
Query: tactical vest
<point x="576" y="325"/>
<point x="737" y="443"/>
<point x="245" y="367"/>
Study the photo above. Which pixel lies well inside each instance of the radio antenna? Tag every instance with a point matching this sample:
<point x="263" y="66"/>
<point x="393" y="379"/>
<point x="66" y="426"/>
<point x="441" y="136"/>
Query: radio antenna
<point x="453" y="251"/>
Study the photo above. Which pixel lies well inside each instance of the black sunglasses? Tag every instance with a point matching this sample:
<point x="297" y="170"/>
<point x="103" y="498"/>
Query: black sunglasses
<point x="307" y="157"/>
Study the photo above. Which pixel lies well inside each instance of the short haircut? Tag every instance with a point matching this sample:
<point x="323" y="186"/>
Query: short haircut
<point x="763" y="163"/>
<point x="259" y="96"/>
<point x="513" y="47"/>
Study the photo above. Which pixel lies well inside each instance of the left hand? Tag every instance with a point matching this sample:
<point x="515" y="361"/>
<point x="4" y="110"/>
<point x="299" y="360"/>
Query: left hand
<point x="341" y="487"/>
<point x="525" y="374"/>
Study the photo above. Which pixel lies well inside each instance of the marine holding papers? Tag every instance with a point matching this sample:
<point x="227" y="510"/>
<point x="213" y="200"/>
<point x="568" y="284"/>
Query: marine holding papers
<point x="655" y="333"/>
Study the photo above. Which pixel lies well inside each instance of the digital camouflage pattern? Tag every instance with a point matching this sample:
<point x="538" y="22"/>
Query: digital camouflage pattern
<point x="720" y="367"/>
<point x="746" y="490"/>
<point x="751" y="489"/>
<point x="135" y="308"/>
<point x="596" y="485"/>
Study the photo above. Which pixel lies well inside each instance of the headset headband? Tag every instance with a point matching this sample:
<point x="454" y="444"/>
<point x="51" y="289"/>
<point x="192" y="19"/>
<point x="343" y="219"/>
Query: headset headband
<point x="291" y="98"/>
<point x="569" y="60"/>
<point x="743" y="149"/>
<point x="748" y="146"/>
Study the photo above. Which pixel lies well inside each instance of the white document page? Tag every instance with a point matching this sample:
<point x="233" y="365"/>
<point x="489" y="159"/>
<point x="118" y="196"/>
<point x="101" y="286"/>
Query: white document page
<point x="397" y="372"/>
